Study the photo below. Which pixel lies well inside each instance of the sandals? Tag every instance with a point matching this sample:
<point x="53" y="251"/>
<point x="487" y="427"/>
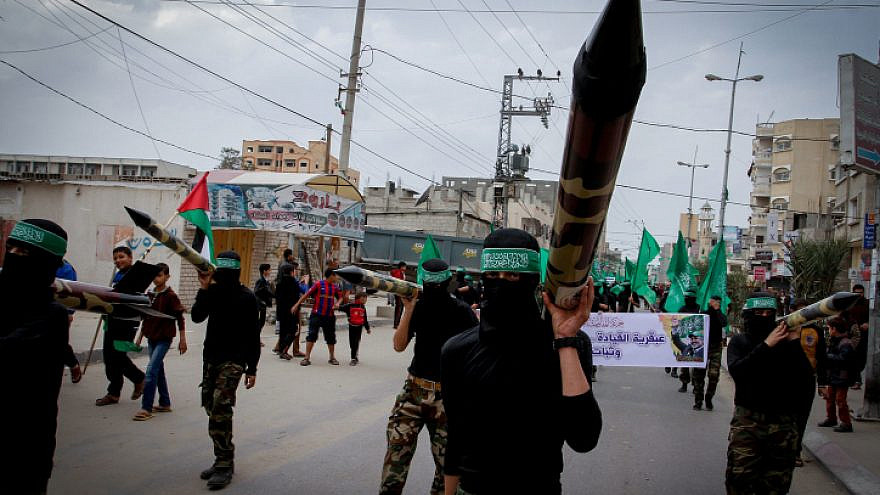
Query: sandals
<point x="138" y="390"/>
<point x="285" y="356"/>
<point x="161" y="409"/>
<point x="142" y="416"/>
<point x="333" y="361"/>
<point x="305" y="362"/>
<point x="107" y="400"/>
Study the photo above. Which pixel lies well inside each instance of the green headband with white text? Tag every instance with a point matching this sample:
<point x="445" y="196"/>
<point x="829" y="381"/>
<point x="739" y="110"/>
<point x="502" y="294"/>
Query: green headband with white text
<point x="38" y="237"/>
<point x="520" y="260"/>
<point x="230" y="263"/>
<point x="435" y="277"/>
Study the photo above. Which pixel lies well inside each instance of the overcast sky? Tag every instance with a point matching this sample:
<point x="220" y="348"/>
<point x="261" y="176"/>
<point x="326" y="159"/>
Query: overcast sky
<point x="795" y="49"/>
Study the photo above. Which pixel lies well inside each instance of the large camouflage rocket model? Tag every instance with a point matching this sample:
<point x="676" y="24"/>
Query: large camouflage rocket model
<point x="830" y="306"/>
<point x="378" y="281"/>
<point x="103" y="300"/>
<point x="170" y="240"/>
<point x="609" y="73"/>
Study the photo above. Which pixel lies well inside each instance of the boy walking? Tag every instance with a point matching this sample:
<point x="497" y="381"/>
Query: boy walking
<point x="837" y="376"/>
<point x="160" y="333"/>
<point x="117" y="364"/>
<point x="326" y="296"/>
<point x="264" y="294"/>
<point x="357" y="322"/>
<point x="231" y="348"/>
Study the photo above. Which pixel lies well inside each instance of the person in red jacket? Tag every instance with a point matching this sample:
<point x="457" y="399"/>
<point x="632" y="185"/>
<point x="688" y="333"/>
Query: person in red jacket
<point x="357" y="323"/>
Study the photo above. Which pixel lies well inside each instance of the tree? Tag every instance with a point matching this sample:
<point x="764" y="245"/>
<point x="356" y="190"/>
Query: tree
<point x="230" y="158"/>
<point x="814" y="265"/>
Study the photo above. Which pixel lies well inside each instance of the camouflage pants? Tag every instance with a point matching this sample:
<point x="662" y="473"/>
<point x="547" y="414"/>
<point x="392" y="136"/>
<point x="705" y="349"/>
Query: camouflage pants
<point x="761" y="454"/>
<point x="713" y="369"/>
<point x="415" y="408"/>
<point x="219" y="384"/>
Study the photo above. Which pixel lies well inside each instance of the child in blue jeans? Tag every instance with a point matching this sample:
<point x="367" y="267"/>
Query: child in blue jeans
<point x="160" y="333"/>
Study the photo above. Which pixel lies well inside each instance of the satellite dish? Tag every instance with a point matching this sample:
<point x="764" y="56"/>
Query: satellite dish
<point x="425" y="195"/>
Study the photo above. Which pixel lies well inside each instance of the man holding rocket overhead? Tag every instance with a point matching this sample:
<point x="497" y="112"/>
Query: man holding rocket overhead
<point x="519" y="449"/>
<point x="432" y="320"/>
<point x="33" y="349"/>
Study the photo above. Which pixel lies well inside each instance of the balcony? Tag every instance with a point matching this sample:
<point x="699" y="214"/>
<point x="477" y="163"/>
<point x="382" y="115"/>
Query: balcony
<point x="761" y="190"/>
<point x="759" y="220"/>
<point x="763" y="158"/>
<point x="764" y="130"/>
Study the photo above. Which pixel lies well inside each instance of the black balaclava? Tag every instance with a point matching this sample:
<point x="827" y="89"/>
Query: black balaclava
<point x="435" y="281"/>
<point x="25" y="276"/>
<point x="759" y="326"/>
<point x="509" y="308"/>
<point x="228" y="269"/>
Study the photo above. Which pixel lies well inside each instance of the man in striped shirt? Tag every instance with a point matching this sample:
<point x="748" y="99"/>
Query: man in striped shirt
<point x="326" y="295"/>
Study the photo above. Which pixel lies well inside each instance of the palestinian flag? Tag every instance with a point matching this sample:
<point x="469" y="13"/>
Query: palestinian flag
<point x="195" y="210"/>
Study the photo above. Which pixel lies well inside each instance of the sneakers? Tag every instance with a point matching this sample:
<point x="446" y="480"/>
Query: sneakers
<point x="353" y="362"/>
<point x="220" y="478"/>
<point x="843" y="428"/>
<point x="709" y="406"/>
<point x="683" y="389"/>
<point x="828" y="424"/>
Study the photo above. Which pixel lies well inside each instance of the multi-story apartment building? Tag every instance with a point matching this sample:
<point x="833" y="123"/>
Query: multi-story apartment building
<point x="287" y="156"/>
<point x="793" y="173"/>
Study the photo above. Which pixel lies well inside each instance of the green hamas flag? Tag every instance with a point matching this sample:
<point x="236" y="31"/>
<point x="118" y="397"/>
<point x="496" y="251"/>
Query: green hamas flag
<point x="681" y="276"/>
<point x="648" y="250"/>
<point x="628" y="271"/>
<point x="715" y="283"/>
<point x="429" y="252"/>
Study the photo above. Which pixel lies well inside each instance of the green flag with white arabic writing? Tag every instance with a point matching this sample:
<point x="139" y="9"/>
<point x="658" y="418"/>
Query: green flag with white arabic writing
<point x="715" y="283"/>
<point x="681" y="276"/>
<point x="648" y="250"/>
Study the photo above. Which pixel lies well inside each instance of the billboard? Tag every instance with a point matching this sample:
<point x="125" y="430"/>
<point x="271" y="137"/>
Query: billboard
<point x="295" y="208"/>
<point x="860" y="110"/>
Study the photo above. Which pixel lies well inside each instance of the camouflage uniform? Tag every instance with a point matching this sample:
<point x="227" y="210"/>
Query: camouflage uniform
<point x="219" y="383"/>
<point x="760" y="456"/>
<point x="713" y="369"/>
<point x="415" y="407"/>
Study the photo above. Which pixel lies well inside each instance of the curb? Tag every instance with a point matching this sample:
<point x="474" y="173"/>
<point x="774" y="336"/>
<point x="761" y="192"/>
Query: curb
<point x="857" y="479"/>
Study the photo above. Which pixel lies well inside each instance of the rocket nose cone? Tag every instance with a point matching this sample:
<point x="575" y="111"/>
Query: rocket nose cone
<point x="616" y="40"/>
<point x="140" y="218"/>
<point x="351" y="273"/>
<point x="845" y="300"/>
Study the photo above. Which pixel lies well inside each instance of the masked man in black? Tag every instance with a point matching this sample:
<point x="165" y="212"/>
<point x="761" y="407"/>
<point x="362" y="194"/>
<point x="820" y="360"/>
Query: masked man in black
<point x="33" y="351"/>
<point x="774" y="380"/>
<point x="508" y="419"/>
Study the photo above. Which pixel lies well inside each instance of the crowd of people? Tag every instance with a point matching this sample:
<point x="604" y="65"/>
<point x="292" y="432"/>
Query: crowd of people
<point x="467" y="339"/>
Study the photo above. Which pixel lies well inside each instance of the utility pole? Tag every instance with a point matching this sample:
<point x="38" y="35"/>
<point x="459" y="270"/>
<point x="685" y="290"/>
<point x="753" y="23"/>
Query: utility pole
<point x="351" y="89"/>
<point x="505" y="175"/>
<point x="736" y="79"/>
<point x="693" y="167"/>
<point x="460" y="214"/>
<point x="327" y="149"/>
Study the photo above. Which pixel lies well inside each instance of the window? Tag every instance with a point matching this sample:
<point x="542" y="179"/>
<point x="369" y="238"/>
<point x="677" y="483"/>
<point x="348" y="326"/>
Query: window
<point x="148" y="171"/>
<point x="129" y="170"/>
<point x="264" y="162"/>
<point x="250" y="149"/>
<point x="112" y="169"/>
<point x="279" y="149"/>
<point x="852" y="211"/>
<point x="277" y="163"/>
<point x="291" y="150"/>
<point x="304" y="165"/>
<point x="289" y="163"/>
<point x="93" y="168"/>
<point x="780" y="204"/>
<point x="782" y="144"/>
<point x="22" y="167"/>
<point x="41" y="168"/>
<point x="75" y="168"/>
<point x="249" y="163"/>
<point x="265" y="149"/>
<point x="832" y="173"/>
<point x="759" y="239"/>
<point x="782" y="175"/>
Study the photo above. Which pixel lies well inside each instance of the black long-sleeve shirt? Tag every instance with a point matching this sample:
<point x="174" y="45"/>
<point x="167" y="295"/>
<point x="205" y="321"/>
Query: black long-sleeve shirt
<point x="506" y="416"/>
<point x="772" y="380"/>
<point x="233" y="333"/>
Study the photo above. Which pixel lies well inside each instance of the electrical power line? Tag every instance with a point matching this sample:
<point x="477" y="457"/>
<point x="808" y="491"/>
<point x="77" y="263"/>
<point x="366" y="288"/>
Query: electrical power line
<point x="52" y="47"/>
<point x="136" y="97"/>
<point x="104" y="116"/>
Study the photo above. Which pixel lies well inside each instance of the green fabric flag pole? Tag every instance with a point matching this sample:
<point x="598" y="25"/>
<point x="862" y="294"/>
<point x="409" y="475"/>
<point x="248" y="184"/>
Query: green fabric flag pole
<point x="429" y="251"/>
<point x="681" y="276"/>
<point x="715" y="283"/>
<point x="648" y="250"/>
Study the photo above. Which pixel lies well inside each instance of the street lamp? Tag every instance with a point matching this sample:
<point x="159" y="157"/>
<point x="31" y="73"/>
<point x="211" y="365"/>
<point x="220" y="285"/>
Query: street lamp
<point x="736" y="79"/>
<point x="693" y="166"/>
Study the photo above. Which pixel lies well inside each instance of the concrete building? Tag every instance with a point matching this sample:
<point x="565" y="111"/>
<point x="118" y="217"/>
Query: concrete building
<point x="707" y="236"/>
<point x="287" y="156"/>
<point x="855" y="196"/>
<point x="794" y="175"/>
<point x="86" y="195"/>
<point x="460" y="207"/>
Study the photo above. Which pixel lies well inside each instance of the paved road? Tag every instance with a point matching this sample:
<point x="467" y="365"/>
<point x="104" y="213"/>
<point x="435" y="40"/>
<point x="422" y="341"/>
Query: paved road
<point x="321" y="430"/>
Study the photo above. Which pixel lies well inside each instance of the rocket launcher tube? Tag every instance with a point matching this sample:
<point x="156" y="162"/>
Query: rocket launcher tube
<point x="609" y="73"/>
<point x="373" y="280"/>
<point x="170" y="240"/>
<point x="103" y="300"/>
<point x="832" y="305"/>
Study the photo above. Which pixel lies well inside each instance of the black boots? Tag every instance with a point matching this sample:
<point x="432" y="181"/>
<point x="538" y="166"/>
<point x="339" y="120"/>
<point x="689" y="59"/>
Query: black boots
<point x="218" y="477"/>
<point x="709" y="406"/>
